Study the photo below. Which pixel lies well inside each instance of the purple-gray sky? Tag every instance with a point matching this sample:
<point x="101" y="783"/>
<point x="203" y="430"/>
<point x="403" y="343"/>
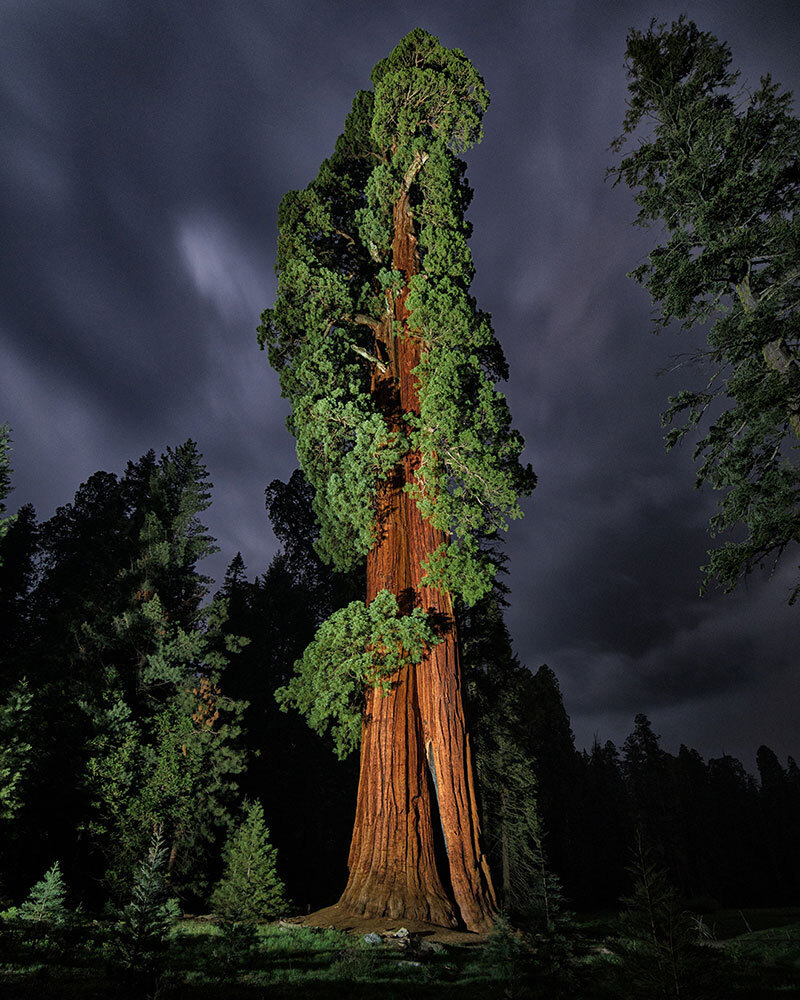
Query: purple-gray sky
<point x="145" y="148"/>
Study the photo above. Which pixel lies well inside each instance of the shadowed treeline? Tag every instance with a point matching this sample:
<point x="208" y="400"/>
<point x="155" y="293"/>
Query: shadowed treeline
<point x="132" y="700"/>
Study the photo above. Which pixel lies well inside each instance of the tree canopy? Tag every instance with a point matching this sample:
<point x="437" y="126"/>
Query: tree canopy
<point x="336" y="283"/>
<point x="717" y="166"/>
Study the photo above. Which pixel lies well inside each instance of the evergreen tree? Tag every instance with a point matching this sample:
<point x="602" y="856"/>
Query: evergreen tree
<point x="290" y="767"/>
<point x="649" y="780"/>
<point x="552" y="745"/>
<point x="128" y="713"/>
<point x="778" y="818"/>
<point x="15" y="753"/>
<point x="43" y="919"/>
<point x="17" y="574"/>
<point x="46" y="902"/>
<point x="5" y="479"/>
<point x="167" y="745"/>
<point x="661" y="956"/>
<point x="139" y="939"/>
<point x="390" y="370"/>
<point x="693" y="843"/>
<point x="498" y="693"/>
<point x="250" y="888"/>
<point x="719" y="171"/>
<point x="604" y="827"/>
<point x="738" y="871"/>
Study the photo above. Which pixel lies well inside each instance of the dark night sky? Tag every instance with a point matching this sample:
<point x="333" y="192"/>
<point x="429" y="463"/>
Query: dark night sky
<point x="145" y="148"/>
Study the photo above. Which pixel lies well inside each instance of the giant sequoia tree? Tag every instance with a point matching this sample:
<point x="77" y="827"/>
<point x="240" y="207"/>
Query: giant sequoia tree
<point x="390" y="368"/>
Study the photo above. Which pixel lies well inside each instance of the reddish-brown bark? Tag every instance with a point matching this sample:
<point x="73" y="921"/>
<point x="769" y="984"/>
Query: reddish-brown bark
<point x="416" y="769"/>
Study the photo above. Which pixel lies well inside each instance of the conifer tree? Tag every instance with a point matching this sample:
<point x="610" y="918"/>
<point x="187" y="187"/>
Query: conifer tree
<point x="290" y="767"/>
<point x="166" y="738"/>
<point x="662" y="957"/>
<point x="140" y="934"/>
<point x="44" y="917"/>
<point x="718" y="168"/>
<point x="390" y="369"/>
<point x="129" y="709"/>
<point x="46" y="902"/>
<point x="498" y="689"/>
<point x="14" y="752"/>
<point x="5" y="479"/>
<point x="250" y="888"/>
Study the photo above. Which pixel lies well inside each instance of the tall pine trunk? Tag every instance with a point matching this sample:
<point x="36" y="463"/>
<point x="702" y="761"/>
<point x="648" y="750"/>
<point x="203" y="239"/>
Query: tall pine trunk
<point x="416" y="775"/>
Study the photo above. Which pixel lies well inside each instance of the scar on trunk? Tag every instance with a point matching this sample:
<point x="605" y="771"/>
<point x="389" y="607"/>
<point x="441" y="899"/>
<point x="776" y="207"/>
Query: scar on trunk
<point x="432" y="769"/>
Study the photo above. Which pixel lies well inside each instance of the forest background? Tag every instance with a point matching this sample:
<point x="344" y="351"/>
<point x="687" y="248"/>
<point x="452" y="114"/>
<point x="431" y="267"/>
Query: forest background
<point x="131" y="703"/>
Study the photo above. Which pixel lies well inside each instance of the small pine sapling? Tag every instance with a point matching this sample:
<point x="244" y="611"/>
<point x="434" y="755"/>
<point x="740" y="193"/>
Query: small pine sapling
<point x="506" y="959"/>
<point x="662" y="956"/>
<point x="140" y="935"/>
<point x="250" y="888"/>
<point x="44" y="913"/>
<point x="46" y="900"/>
<point x="553" y="933"/>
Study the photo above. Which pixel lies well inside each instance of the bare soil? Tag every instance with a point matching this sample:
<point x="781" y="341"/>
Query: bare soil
<point x="336" y="918"/>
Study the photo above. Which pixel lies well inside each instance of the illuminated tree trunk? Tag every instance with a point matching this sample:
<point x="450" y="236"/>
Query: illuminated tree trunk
<point x="416" y="774"/>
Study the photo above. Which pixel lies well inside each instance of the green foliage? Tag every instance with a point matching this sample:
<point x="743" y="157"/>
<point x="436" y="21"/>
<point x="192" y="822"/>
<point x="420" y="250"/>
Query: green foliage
<point x="165" y="744"/>
<point x="15" y="751"/>
<point x="659" y="948"/>
<point x="236" y="947"/>
<point x="357" y="647"/>
<point x="140" y="936"/>
<point x="250" y="888"/>
<point x="41" y="926"/>
<point x="425" y="89"/>
<point x="507" y="782"/>
<point x="506" y="958"/>
<point x="536" y="963"/>
<point x="178" y="766"/>
<point x="719" y="170"/>
<point x="5" y="479"/>
<point x="554" y="935"/>
<point x="46" y="902"/>
<point x="337" y="285"/>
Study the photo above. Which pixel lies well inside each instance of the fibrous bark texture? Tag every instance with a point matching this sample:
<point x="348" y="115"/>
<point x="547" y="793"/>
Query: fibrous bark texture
<point x="416" y="774"/>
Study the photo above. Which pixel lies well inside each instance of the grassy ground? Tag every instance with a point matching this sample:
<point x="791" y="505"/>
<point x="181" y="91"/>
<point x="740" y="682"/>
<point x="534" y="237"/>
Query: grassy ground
<point x="204" y="960"/>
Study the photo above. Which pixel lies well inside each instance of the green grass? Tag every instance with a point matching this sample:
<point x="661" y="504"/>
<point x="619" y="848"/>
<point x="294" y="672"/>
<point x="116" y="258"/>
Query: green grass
<point x="287" y="962"/>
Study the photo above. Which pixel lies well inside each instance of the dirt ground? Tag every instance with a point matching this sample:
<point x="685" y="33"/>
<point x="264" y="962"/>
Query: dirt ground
<point x="333" y="917"/>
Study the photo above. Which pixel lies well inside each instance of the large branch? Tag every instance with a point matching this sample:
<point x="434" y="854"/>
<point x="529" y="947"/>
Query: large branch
<point x="777" y="356"/>
<point x="417" y="164"/>
<point x="363" y="320"/>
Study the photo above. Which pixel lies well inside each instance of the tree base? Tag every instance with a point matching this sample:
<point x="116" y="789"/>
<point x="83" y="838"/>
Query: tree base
<point x="342" y="919"/>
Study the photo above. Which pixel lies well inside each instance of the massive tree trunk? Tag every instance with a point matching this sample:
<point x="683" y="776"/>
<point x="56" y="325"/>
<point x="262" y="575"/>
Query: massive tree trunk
<point x="416" y="783"/>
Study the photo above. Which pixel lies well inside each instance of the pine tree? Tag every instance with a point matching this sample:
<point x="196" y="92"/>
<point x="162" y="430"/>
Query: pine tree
<point x="649" y="780"/>
<point x="130" y="708"/>
<point x="15" y="753"/>
<point x="17" y="574"/>
<point x="46" y="903"/>
<point x="498" y="688"/>
<point x="5" y="479"/>
<point x="139" y="939"/>
<point x="250" y="888"/>
<point x="290" y="766"/>
<point x="552" y="745"/>
<point x="604" y="833"/>
<point x="719" y="170"/>
<point x="390" y="369"/>
<point x="43" y="919"/>
<point x="661" y="956"/>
